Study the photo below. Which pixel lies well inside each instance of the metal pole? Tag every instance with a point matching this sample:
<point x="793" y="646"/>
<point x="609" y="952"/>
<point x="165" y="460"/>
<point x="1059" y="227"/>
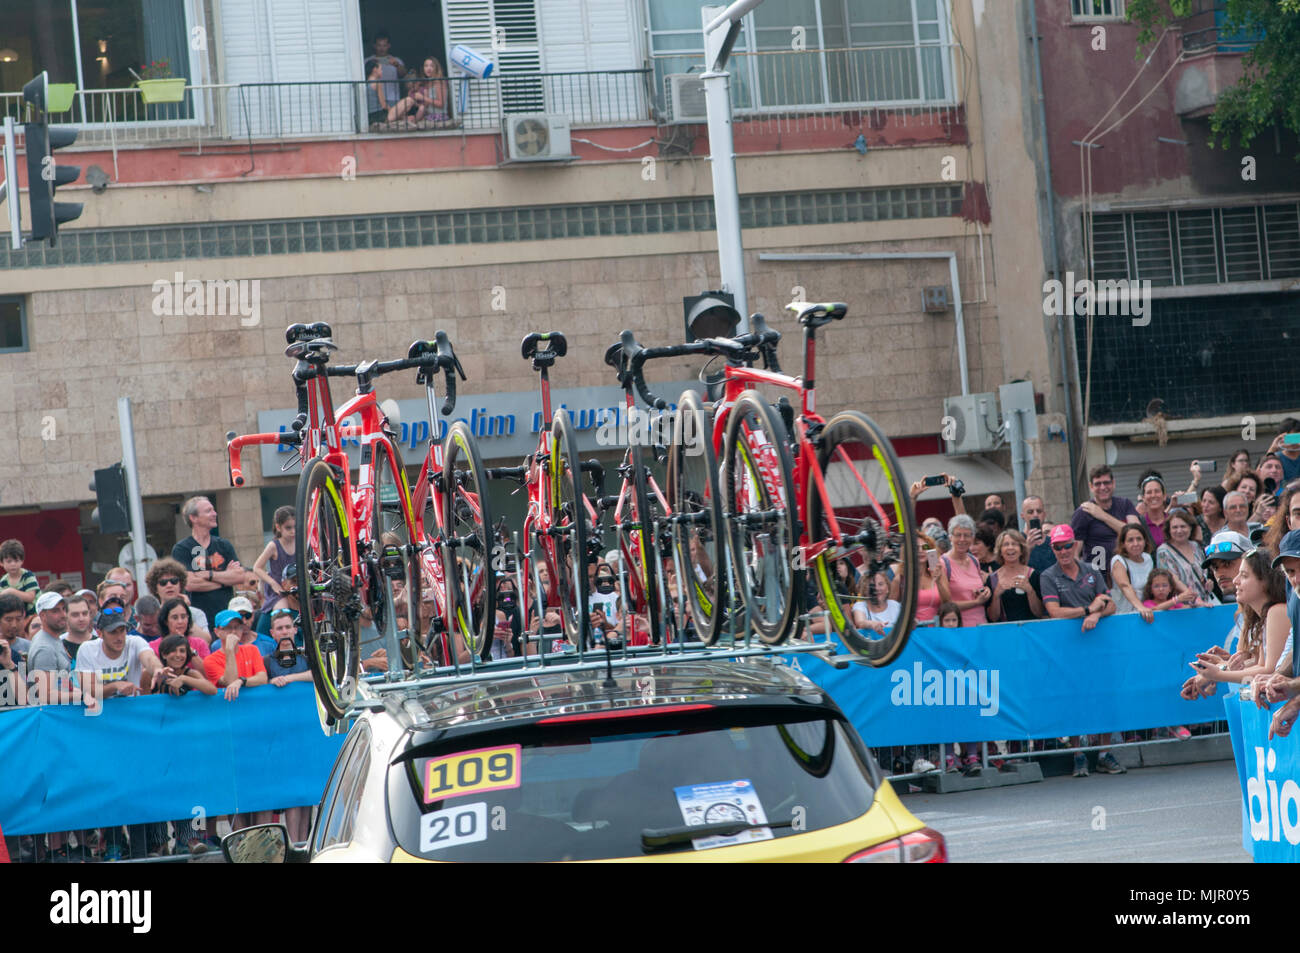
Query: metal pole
<point x="133" y="500"/>
<point x="717" y="101"/>
<point x="11" y="191"/>
<point x="1017" y="442"/>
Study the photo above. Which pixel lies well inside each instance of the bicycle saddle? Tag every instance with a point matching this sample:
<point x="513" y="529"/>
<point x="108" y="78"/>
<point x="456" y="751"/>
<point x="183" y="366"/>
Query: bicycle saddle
<point x="819" y="313"/>
<point x="316" y="350"/>
<point x="544" y="348"/>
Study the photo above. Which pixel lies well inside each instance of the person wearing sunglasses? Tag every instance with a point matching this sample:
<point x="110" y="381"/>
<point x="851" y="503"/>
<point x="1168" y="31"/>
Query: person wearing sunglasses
<point x="1222" y="563"/>
<point x="1097" y="523"/>
<point x="165" y="580"/>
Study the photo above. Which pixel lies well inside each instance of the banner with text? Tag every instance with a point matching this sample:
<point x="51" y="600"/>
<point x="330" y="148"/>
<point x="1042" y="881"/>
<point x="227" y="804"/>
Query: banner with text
<point x="1267" y="771"/>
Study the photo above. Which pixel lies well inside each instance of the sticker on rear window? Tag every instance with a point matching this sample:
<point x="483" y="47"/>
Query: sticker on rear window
<point x="723" y="802"/>
<point x="472" y="772"/>
<point x="463" y="824"/>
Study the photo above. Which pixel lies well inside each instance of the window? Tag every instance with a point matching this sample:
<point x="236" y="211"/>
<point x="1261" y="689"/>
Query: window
<point x="819" y="53"/>
<point x="96" y="44"/>
<point x="338" y="809"/>
<point x="1097" y="9"/>
<point x="13" y="325"/>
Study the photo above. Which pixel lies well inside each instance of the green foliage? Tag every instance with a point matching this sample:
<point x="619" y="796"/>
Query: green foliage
<point x="1268" y="93"/>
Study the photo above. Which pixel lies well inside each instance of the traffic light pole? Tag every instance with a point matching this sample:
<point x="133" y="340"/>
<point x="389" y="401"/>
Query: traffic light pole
<point x="11" y="194"/>
<point x="134" y="504"/>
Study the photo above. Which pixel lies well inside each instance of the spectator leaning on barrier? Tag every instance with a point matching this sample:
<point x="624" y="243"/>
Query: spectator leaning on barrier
<point x="966" y="581"/>
<point x="1265" y="626"/>
<point x="13" y="619"/>
<point x="237" y="663"/>
<point x="1096" y="523"/>
<point x="1015" y="583"/>
<point x="1071" y="589"/>
<point x="183" y="669"/>
<point x="21" y="581"/>
<point x="285" y="664"/>
<point x="166" y="580"/>
<point x="214" y="569"/>
<point x="1129" y="569"/>
<point x="49" y="656"/>
<point x="1285" y="684"/>
<point x="119" y="662"/>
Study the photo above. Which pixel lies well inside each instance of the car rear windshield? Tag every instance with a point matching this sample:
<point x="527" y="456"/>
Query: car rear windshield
<point x="627" y="788"/>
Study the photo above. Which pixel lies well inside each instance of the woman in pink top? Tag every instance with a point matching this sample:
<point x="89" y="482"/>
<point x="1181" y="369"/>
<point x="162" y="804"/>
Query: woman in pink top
<point x="966" y="582"/>
<point x="932" y="585"/>
<point x="174" y="619"/>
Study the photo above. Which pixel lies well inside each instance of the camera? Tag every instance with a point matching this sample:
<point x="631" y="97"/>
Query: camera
<point x="958" y="488"/>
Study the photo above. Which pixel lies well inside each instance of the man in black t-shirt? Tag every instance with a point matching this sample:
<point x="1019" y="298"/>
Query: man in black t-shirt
<point x="213" y="566"/>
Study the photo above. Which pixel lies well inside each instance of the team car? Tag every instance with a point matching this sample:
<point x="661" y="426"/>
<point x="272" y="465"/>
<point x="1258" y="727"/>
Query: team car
<point x="693" y="760"/>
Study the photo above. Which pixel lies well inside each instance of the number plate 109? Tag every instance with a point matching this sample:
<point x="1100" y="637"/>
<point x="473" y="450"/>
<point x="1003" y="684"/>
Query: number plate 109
<point x="471" y="772"/>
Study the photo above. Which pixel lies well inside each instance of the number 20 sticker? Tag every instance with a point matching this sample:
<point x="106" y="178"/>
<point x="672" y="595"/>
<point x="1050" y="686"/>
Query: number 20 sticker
<point x="464" y="824"/>
<point x="472" y="772"/>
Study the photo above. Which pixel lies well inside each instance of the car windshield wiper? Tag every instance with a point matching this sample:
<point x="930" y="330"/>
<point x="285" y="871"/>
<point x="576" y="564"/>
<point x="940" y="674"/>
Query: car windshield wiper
<point x="666" y="837"/>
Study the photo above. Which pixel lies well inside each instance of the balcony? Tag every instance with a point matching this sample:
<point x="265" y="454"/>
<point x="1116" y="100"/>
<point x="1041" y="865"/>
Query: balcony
<point x="1214" y="59"/>
<point x="226" y="113"/>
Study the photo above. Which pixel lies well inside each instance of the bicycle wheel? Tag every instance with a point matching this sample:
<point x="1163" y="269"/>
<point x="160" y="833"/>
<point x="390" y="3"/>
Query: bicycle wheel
<point x="330" y="605"/>
<point x="868" y="500"/>
<point x="697" y="526"/>
<point x="467" y="555"/>
<point x="758" y="499"/>
<point x="569" y="522"/>
<point x="395" y="584"/>
<point x="636" y="533"/>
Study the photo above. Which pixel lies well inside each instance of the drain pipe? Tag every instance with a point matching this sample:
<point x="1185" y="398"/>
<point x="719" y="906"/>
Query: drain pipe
<point x="1063" y="344"/>
<point x="951" y="258"/>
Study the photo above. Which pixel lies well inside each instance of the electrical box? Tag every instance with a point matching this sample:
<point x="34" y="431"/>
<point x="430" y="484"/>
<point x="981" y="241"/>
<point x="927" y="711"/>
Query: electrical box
<point x="971" y="424"/>
<point x="936" y="298"/>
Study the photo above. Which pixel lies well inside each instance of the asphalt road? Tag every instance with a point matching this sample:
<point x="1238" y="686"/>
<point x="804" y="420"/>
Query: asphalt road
<point x="1186" y="812"/>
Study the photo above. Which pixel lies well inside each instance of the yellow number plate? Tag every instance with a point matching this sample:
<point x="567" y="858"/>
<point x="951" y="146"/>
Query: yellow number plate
<point x="471" y="772"/>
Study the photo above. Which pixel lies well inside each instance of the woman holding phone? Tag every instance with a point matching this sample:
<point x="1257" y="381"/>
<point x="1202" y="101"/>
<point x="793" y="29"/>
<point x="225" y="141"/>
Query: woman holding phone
<point x="932" y="584"/>
<point x="1014" y="582"/>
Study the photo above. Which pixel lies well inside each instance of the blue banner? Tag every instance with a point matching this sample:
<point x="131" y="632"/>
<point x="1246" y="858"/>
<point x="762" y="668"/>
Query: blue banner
<point x="1019" y="680"/>
<point x="1270" y="796"/>
<point x="162" y="758"/>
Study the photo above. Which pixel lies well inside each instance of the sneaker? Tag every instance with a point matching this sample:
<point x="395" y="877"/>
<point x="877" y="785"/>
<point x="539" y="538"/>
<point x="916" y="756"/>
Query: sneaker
<point x="113" y="853"/>
<point x="196" y="846"/>
<point x="971" y="766"/>
<point x="1106" y="764"/>
<point x="1182" y="733"/>
<point x="922" y="766"/>
<point x="1080" y="765"/>
<point x="950" y="763"/>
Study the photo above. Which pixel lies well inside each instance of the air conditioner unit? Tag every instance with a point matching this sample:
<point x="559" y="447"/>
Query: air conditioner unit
<point x="685" y="98"/>
<point x="970" y="424"/>
<point x="537" y="137"/>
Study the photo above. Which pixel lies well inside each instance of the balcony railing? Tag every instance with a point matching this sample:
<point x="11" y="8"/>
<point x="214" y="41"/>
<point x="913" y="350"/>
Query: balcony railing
<point x="1204" y="31"/>
<point x="924" y="79"/>
<point x="321" y="109"/>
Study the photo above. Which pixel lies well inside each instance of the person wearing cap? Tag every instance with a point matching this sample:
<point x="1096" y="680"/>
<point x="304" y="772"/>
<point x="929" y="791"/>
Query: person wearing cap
<point x="116" y="661"/>
<point x="1098" y="521"/>
<point x="237" y="663"/>
<point x="1222" y="563"/>
<point x="1073" y="590"/>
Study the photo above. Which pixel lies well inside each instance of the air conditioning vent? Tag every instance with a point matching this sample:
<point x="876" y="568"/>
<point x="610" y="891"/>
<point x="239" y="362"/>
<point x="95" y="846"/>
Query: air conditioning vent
<point x="974" y="426"/>
<point x="538" y="137"/>
<point x="685" y="98"/>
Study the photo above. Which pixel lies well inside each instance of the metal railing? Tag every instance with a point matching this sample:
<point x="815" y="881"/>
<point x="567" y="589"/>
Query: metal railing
<point x="1203" y="30"/>
<point x="260" y="111"/>
<point x="927" y="80"/>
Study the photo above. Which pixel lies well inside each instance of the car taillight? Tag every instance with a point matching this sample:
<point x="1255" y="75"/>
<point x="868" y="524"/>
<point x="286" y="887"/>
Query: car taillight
<point x="925" y="846"/>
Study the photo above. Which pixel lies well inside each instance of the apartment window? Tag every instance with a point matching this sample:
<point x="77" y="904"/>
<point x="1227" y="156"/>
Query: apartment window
<point x="13" y="325"/>
<point x="818" y="53"/>
<point x="1097" y="9"/>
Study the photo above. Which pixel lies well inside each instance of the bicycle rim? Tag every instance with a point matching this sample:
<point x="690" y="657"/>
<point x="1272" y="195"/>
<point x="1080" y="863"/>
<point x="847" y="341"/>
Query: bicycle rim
<point x="640" y="536"/>
<point x="329" y="625"/>
<point x="697" y="517"/>
<point x="468" y="550"/>
<point x="759" y="503"/>
<point x="867" y="494"/>
<point x="396" y="586"/>
<point x="569" y="519"/>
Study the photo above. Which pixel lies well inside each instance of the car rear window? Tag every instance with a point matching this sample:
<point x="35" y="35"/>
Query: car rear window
<point x="586" y="791"/>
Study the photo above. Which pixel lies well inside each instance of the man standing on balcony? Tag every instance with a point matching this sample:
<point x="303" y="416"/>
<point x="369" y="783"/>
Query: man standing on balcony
<point x="391" y="69"/>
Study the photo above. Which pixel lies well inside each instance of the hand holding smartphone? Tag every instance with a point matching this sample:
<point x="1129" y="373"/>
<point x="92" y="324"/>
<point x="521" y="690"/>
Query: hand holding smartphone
<point x="934" y="481"/>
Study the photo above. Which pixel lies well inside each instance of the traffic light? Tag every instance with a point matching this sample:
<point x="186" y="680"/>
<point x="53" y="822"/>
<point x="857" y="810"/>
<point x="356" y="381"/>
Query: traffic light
<point x="44" y="175"/>
<point x="112" y="514"/>
<point x="710" y="315"/>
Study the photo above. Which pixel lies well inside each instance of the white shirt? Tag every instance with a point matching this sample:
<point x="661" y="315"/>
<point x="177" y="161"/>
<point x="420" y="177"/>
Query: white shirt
<point x="887" y="615"/>
<point x="91" y="657"/>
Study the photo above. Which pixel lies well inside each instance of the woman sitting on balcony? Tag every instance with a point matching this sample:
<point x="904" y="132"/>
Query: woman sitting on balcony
<point x="429" y="92"/>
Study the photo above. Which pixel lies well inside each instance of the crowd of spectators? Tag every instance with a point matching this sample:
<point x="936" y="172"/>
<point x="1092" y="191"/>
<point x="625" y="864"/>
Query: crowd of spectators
<point x="194" y="629"/>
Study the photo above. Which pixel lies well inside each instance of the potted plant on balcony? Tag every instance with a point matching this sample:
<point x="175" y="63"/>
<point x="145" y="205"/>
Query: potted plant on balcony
<point x="157" y="85"/>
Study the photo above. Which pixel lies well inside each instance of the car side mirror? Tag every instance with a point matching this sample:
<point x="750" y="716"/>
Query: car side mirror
<point x="260" y="844"/>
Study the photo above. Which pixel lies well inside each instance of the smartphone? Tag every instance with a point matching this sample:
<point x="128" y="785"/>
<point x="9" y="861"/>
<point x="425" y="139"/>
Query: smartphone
<point x="1035" y="523"/>
<point x="1184" y="497"/>
<point x="938" y="480"/>
<point x="1208" y="466"/>
<point x="1291" y="439"/>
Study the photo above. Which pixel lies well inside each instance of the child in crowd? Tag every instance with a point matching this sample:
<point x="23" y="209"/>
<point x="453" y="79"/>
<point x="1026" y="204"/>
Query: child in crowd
<point x="949" y="616"/>
<point x="22" y="581"/>
<point x="1158" y="593"/>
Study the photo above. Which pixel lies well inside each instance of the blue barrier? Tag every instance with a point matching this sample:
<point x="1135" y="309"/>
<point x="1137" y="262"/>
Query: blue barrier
<point x="1267" y="772"/>
<point x="159" y="757"/>
<point x="1030" y="679"/>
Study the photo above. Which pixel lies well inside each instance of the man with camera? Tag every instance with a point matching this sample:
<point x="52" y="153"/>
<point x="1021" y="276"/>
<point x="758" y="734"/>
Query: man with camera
<point x="956" y="489"/>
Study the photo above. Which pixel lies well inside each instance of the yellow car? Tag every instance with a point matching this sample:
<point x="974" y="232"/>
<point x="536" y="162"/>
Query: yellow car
<point x="689" y="761"/>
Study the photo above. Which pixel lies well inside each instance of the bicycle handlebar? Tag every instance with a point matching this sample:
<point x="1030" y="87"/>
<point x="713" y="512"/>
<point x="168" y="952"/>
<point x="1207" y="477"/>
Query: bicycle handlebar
<point x="443" y="356"/>
<point x="628" y="357"/>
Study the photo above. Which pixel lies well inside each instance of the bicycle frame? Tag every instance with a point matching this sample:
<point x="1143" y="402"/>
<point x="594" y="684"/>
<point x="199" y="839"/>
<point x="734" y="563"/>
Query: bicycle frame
<point x="647" y="549"/>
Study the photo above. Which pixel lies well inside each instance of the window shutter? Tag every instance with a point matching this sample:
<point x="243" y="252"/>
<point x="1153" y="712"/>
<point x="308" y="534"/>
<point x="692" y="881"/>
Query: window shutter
<point x="581" y="36"/>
